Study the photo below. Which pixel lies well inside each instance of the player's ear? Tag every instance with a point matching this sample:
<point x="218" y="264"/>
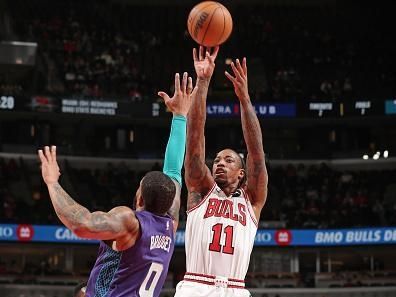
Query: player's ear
<point x="242" y="174"/>
<point x="138" y="201"/>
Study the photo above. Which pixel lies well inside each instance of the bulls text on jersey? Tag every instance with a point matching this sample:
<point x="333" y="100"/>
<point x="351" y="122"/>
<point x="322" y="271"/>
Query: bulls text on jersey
<point x="225" y="208"/>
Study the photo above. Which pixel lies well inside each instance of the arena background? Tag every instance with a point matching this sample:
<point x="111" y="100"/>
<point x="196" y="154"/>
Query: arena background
<point x="83" y="75"/>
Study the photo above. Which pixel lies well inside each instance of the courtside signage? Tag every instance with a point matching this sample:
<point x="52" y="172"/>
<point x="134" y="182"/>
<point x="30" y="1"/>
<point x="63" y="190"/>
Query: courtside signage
<point x="108" y="108"/>
<point x="262" y="110"/>
<point x="264" y="237"/>
<point x="38" y="233"/>
<point x="287" y="110"/>
<point x="326" y="237"/>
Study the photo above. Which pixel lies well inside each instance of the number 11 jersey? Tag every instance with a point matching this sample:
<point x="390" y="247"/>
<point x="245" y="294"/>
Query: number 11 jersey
<point x="220" y="234"/>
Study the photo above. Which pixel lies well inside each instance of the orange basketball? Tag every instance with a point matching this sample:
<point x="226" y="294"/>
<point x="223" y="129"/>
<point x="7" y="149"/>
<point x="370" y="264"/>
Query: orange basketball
<point x="209" y="23"/>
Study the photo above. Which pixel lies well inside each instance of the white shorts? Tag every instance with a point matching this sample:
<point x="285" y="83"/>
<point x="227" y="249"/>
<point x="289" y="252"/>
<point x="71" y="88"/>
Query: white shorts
<point x="193" y="289"/>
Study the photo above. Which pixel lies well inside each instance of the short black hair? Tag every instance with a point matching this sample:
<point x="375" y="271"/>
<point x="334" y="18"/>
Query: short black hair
<point x="158" y="191"/>
<point x="243" y="166"/>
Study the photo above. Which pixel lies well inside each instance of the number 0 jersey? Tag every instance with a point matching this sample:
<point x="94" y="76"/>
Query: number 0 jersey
<point x="140" y="270"/>
<point x="220" y="234"/>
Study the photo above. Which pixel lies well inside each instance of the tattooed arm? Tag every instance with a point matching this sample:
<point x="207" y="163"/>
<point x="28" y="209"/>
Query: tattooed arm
<point x="197" y="175"/>
<point x="117" y="223"/>
<point x="257" y="177"/>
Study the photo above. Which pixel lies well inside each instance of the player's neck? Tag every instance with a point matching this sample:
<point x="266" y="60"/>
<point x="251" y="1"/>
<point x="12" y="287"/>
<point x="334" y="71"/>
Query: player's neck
<point x="229" y="189"/>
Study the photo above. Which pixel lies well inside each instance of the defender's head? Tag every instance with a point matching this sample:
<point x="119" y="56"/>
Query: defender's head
<point x="229" y="168"/>
<point x="155" y="193"/>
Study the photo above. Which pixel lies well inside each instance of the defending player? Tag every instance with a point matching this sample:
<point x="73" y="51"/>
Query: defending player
<point x="223" y="206"/>
<point x="136" y="246"/>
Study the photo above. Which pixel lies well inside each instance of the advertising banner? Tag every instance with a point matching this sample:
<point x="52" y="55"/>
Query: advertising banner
<point x="264" y="237"/>
<point x="262" y="110"/>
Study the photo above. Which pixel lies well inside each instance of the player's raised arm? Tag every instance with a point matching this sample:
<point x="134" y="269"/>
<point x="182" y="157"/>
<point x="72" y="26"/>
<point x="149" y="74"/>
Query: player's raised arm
<point x="114" y="224"/>
<point x="257" y="177"/>
<point x="179" y="104"/>
<point x="197" y="175"/>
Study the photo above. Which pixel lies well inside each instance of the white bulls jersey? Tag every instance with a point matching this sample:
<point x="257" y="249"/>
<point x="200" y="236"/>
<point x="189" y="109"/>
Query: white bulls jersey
<point x="220" y="234"/>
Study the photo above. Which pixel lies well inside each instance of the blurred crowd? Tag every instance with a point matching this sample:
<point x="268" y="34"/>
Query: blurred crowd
<point x="11" y="89"/>
<point x="314" y="196"/>
<point x="318" y="52"/>
<point x="321" y="197"/>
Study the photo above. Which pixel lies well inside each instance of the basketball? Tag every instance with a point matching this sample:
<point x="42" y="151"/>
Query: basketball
<point x="209" y="23"/>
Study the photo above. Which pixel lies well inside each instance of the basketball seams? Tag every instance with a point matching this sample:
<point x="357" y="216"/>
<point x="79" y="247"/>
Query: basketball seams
<point x="199" y="10"/>
<point x="208" y="26"/>
<point x="227" y="25"/>
<point x="204" y="23"/>
<point x="224" y="25"/>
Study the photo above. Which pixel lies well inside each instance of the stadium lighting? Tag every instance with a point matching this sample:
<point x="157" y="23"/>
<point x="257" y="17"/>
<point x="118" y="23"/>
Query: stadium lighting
<point x="376" y="156"/>
<point x="365" y="157"/>
<point x="386" y="154"/>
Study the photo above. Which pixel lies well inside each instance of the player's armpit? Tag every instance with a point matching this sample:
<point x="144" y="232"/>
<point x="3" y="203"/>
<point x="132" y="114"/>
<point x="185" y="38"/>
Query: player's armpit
<point x="118" y="222"/>
<point x="194" y="198"/>
<point x="199" y="181"/>
<point x="198" y="186"/>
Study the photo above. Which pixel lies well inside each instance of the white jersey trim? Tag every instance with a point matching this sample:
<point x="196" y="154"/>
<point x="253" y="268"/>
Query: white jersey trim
<point x="250" y="208"/>
<point x="203" y="199"/>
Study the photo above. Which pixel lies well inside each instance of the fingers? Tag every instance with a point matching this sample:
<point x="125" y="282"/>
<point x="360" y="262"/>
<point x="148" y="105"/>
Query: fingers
<point x="230" y="77"/>
<point x="194" y="91"/>
<point x="43" y="159"/>
<point x="184" y="83"/>
<point x="189" y="86"/>
<point x="177" y="83"/>
<point x="210" y="58"/>
<point x="239" y="67"/>
<point x="47" y="154"/>
<point x="164" y="96"/>
<point x="215" y="52"/>
<point x="53" y="153"/>
<point x="244" y="66"/>
<point x="195" y="58"/>
<point x="201" y="53"/>
<point x="236" y="72"/>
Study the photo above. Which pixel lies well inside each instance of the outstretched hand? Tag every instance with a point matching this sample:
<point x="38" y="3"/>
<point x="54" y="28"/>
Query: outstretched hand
<point x="240" y="81"/>
<point x="49" y="166"/>
<point x="181" y="101"/>
<point x="204" y="63"/>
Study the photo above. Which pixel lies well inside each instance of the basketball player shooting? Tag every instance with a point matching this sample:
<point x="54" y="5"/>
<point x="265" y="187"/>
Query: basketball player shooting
<point x="136" y="246"/>
<point x="223" y="205"/>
